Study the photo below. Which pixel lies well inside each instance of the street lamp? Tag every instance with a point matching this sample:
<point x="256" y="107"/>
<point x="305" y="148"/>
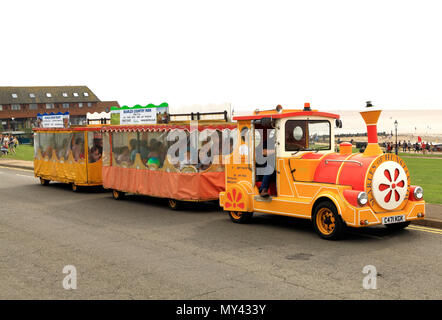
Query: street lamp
<point x="395" y="126"/>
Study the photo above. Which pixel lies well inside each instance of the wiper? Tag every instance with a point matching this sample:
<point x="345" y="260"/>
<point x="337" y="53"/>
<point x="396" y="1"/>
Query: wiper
<point x="302" y="149"/>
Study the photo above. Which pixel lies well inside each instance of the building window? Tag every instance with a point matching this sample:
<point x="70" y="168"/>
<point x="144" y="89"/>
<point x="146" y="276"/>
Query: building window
<point x="15" y="107"/>
<point x="86" y="94"/>
<point x="33" y="106"/>
<point x="14" y="95"/>
<point x="65" y="94"/>
<point x="50" y="106"/>
<point x="31" y="95"/>
<point x="48" y="95"/>
<point x="80" y="105"/>
<point x="1" y="107"/>
<point x="65" y="105"/>
<point x="89" y="104"/>
<point x="75" y="94"/>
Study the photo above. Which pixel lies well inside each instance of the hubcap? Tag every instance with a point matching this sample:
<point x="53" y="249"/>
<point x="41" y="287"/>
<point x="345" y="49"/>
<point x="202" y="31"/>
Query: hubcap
<point x="325" y="221"/>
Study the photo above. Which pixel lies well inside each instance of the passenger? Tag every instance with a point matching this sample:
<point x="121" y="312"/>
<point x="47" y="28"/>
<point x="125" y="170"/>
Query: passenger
<point x="62" y="149"/>
<point x="162" y="152"/>
<point x="124" y="156"/>
<point x="269" y="152"/>
<point x="144" y="151"/>
<point x="94" y="154"/>
<point x="133" y="149"/>
<point x="78" y="149"/>
<point x="154" y="158"/>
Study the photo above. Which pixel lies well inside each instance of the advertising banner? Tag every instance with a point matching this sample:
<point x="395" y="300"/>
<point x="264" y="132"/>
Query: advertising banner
<point x="149" y="114"/>
<point x="53" y="120"/>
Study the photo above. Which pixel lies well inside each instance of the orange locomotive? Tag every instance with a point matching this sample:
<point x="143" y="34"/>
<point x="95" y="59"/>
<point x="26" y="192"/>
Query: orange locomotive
<point x="311" y="181"/>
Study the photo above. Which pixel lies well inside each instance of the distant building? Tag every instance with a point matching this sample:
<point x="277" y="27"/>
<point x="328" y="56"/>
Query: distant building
<point x="19" y="105"/>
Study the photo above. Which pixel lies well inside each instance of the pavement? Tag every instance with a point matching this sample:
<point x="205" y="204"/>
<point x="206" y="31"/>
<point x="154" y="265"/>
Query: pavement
<point x="20" y="164"/>
<point x="433" y="211"/>
<point x="140" y="249"/>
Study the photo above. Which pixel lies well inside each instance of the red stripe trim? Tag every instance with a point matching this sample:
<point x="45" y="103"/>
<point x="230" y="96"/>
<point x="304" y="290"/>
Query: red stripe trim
<point x="288" y="114"/>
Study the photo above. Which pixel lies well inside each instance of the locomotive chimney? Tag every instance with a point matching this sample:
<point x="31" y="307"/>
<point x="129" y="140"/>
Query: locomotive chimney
<point x="371" y="120"/>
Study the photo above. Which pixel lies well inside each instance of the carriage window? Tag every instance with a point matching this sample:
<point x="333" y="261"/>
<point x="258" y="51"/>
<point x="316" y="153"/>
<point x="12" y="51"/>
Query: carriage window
<point x="124" y="147"/>
<point x="319" y="135"/>
<point x="78" y="146"/>
<point x="62" y="143"/>
<point x="95" y="145"/>
<point x="153" y="149"/>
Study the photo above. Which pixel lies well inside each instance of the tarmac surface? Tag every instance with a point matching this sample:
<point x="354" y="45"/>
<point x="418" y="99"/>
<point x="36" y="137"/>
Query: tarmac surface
<point x="140" y="249"/>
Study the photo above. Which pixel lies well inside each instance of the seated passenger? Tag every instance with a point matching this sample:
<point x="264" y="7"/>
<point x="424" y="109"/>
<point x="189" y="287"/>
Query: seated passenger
<point x="94" y="154"/>
<point x="144" y="151"/>
<point x="124" y="156"/>
<point x="154" y="158"/>
<point x="78" y="149"/>
<point x="133" y="149"/>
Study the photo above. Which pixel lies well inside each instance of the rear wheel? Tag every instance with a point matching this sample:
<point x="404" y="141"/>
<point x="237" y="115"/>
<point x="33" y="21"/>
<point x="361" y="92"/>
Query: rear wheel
<point x="118" y="195"/>
<point x="327" y="222"/>
<point x="174" y="204"/>
<point x="240" y="217"/>
<point x="398" y="226"/>
<point x="44" y="182"/>
<point x="74" y="187"/>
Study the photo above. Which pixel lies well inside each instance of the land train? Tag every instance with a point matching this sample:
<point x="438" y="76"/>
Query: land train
<point x="309" y="180"/>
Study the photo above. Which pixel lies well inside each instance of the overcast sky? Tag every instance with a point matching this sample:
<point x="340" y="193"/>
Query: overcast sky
<point x="334" y="54"/>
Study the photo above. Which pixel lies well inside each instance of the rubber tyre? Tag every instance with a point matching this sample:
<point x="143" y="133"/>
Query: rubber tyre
<point x="398" y="226"/>
<point x="44" y="182"/>
<point x="75" y="188"/>
<point x="240" y="217"/>
<point x="174" y="204"/>
<point x="118" y="195"/>
<point x="332" y="220"/>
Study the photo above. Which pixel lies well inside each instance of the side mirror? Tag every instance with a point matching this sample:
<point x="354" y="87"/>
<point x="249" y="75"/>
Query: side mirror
<point x="338" y="123"/>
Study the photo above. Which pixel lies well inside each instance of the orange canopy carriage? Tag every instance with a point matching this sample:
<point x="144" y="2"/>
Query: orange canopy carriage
<point x="136" y="160"/>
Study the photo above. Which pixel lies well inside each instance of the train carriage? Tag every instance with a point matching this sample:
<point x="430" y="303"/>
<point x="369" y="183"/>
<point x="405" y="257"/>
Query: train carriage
<point x="137" y="159"/>
<point x="69" y="155"/>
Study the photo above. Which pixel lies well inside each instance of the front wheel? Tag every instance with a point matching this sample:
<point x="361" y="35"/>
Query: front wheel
<point x="327" y="222"/>
<point x="398" y="226"/>
<point x="44" y="182"/>
<point x="240" y="217"/>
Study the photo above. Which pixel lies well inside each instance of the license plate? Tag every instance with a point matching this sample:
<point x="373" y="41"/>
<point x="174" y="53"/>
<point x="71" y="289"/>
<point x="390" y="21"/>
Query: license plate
<point x="393" y="219"/>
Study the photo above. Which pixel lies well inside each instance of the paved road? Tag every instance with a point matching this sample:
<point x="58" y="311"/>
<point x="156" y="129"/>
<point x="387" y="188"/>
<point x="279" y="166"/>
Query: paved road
<point x="139" y="249"/>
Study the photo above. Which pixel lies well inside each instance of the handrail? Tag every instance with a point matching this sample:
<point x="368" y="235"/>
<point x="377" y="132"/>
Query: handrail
<point x="351" y="161"/>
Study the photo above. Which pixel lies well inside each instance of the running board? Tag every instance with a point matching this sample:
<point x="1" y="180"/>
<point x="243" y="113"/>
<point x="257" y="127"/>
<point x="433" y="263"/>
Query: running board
<point x="263" y="199"/>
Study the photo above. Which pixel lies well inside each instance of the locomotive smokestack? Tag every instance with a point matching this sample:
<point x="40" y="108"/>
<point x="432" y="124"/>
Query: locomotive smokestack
<point x="371" y="120"/>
